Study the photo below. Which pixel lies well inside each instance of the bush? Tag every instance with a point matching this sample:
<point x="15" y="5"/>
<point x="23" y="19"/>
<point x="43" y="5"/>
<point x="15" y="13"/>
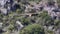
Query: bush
<point x="11" y="27"/>
<point x="45" y="19"/>
<point x="25" y="21"/>
<point x="32" y="29"/>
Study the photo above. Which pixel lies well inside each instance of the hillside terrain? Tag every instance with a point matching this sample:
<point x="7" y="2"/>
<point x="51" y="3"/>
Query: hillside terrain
<point x="29" y="16"/>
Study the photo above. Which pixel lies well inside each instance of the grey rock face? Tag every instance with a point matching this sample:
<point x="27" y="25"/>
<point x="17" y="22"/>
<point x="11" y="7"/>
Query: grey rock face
<point x="1" y="25"/>
<point x="19" y="25"/>
<point x="5" y="6"/>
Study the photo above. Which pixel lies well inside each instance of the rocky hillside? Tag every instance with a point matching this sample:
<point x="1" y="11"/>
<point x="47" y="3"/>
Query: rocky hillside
<point x="29" y="16"/>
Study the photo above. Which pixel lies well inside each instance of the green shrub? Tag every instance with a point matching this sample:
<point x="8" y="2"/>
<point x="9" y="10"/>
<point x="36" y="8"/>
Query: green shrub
<point x="25" y="21"/>
<point x="32" y="29"/>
